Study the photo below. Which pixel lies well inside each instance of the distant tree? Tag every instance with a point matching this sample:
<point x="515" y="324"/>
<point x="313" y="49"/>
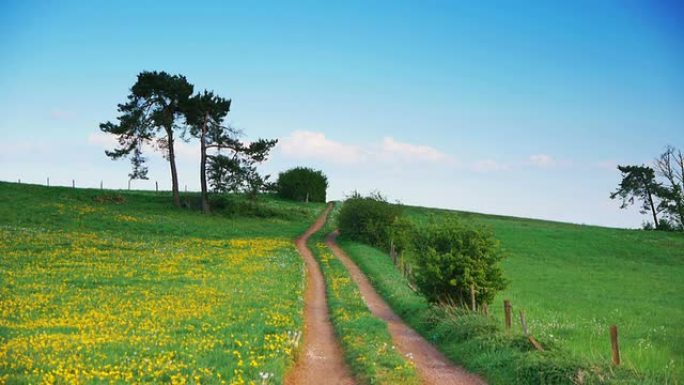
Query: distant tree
<point x="237" y="171"/>
<point x="670" y="167"/>
<point x="302" y="183"/>
<point x="639" y="183"/>
<point x="223" y="173"/>
<point x="204" y="113"/>
<point x="256" y="153"/>
<point x="154" y="105"/>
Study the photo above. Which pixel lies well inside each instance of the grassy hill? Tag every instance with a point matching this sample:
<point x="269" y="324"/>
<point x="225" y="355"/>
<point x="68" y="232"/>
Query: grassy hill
<point x="574" y="281"/>
<point x="106" y="286"/>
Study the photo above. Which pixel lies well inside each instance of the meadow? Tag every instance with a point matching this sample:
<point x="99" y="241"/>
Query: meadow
<point x="119" y="287"/>
<point x="574" y="281"/>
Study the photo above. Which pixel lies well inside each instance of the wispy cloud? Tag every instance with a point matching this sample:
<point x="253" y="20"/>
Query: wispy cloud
<point x="489" y="165"/>
<point x="394" y="150"/>
<point x="542" y="160"/>
<point x="315" y="145"/>
<point x="101" y="139"/>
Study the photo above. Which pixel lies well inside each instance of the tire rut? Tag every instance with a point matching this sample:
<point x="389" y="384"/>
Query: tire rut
<point x="432" y="366"/>
<point x="320" y="360"/>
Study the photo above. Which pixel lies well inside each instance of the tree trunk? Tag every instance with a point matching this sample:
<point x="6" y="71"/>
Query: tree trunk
<point x="203" y="169"/>
<point x="653" y="210"/>
<point x="174" y="173"/>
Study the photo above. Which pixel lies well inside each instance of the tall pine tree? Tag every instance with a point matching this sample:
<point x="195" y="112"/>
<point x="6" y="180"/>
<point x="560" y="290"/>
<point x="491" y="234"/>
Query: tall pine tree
<point x="154" y="106"/>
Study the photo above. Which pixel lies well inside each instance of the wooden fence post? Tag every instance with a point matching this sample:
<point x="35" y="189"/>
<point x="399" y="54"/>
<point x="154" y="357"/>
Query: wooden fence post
<point x="73" y="183"/>
<point x="393" y="253"/>
<point x="526" y="331"/>
<point x="507" y="312"/>
<point x="156" y="186"/>
<point x="523" y="324"/>
<point x="473" y="304"/>
<point x="614" y="345"/>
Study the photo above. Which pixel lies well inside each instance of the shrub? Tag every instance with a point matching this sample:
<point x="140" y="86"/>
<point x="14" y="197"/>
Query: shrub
<point x="302" y="182"/>
<point x="450" y="257"/>
<point x="234" y="205"/>
<point x="368" y="219"/>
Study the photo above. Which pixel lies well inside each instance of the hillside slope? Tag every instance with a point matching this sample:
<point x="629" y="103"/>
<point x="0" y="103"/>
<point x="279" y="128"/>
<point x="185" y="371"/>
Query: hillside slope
<point x="107" y="287"/>
<point x="574" y="281"/>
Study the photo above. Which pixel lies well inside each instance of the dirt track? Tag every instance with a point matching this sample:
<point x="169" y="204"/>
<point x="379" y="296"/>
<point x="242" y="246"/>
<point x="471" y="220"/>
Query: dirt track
<point x="432" y="366"/>
<point x="320" y="361"/>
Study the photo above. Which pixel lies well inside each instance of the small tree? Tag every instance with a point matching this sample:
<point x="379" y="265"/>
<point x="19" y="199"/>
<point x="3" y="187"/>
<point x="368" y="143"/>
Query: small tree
<point x="302" y="183"/>
<point x="154" y="104"/>
<point x="639" y="183"/>
<point x="450" y="258"/>
<point x="670" y="167"/>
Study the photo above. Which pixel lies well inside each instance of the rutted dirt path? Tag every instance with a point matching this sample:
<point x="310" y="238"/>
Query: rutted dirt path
<point x="321" y="360"/>
<point x="432" y="366"/>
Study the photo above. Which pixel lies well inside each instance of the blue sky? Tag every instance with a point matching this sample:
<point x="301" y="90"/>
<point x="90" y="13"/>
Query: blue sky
<point x="517" y="108"/>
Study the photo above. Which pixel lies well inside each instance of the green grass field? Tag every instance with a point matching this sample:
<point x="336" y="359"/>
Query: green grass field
<point x="119" y="287"/>
<point x="574" y="281"/>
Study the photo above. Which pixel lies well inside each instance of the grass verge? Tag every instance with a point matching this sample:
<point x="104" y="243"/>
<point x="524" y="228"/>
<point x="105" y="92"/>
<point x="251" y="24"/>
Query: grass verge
<point x="365" y="340"/>
<point x="477" y="342"/>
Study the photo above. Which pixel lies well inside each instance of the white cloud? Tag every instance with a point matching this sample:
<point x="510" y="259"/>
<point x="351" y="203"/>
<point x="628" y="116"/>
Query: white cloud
<point x="102" y="139"/>
<point x="542" y="160"/>
<point x="489" y="165"/>
<point x="392" y="149"/>
<point x="315" y="145"/>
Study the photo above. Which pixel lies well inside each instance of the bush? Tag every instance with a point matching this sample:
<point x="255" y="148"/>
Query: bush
<point x="301" y="182"/>
<point x="450" y="257"/>
<point x="368" y="219"/>
<point x="233" y="205"/>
